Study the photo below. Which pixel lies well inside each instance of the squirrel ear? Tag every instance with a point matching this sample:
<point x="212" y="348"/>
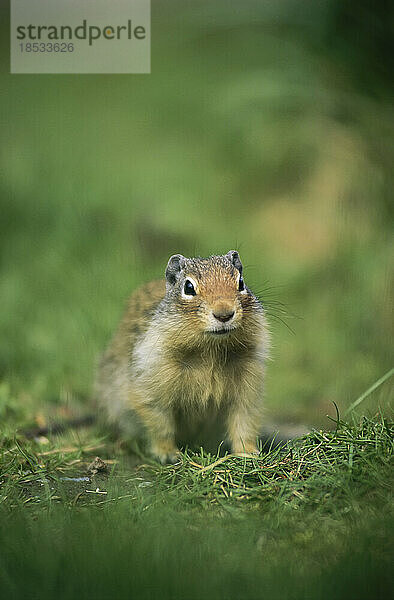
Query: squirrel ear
<point x="174" y="266"/>
<point x="233" y="257"/>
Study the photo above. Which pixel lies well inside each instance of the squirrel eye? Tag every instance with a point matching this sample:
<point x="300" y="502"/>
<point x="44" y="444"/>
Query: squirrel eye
<point x="241" y="285"/>
<point x="189" y="288"/>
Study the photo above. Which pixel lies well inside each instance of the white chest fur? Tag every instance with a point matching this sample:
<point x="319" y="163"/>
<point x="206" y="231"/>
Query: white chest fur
<point x="193" y="381"/>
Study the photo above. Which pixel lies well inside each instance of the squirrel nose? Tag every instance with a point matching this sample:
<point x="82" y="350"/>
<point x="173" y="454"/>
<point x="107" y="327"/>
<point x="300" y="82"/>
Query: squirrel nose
<point x="223" y="315"/>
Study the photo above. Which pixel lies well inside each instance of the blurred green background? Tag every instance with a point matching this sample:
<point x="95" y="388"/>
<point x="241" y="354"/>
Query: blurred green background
<point x="264" y="126"/>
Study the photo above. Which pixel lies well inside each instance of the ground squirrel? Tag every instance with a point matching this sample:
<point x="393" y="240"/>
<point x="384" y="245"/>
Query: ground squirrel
<point x="187" y="361"/>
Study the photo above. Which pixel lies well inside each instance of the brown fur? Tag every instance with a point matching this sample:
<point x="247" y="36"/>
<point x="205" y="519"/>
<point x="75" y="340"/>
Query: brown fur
<point x="169" y="376"/>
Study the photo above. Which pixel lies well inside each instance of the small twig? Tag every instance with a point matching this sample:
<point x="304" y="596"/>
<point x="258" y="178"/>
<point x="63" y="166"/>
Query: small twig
<point x="96" y="491"/>
<point x="195" y="464"/>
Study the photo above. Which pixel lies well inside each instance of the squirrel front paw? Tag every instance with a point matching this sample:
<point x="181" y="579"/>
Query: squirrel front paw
<point x="165" y="452"/>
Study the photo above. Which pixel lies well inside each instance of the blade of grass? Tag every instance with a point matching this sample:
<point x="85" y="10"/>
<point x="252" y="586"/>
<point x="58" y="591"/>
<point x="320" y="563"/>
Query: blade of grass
<point x="370" y="390"/>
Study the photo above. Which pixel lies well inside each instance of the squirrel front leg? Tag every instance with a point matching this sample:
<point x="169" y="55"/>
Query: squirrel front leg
<point x="159" y="424"/>
<point x="243" y="426"/>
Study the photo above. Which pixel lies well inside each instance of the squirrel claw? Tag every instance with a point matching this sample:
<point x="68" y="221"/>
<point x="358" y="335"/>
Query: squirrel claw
<point x="168" y="459"/>
<point x="166" y="456"/>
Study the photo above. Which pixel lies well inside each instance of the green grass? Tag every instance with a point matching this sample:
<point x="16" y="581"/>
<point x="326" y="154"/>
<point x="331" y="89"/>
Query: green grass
<point x="308" y="520"/>
<point x="265" y="127"/>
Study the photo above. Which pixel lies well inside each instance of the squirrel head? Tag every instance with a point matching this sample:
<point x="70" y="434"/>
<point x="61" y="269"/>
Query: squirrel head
<point x="209" y="293"/>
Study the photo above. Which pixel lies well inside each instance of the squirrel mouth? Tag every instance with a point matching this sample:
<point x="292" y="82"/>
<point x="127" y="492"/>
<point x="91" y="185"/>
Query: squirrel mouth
<point x="220" y="331"/>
